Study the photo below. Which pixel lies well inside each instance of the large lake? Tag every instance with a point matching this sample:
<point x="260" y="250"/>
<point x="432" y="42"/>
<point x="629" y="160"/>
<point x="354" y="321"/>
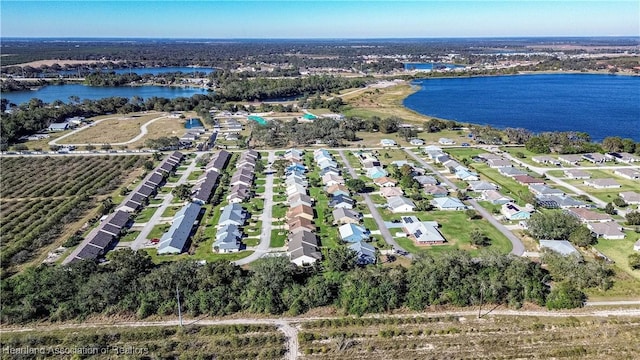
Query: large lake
<point x="601" y="105"/>
<point x="63" y="92"/>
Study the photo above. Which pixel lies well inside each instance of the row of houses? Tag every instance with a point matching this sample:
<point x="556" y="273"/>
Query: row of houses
<point x="302" y="242"/>
<point x="229" y="229"/>
<point x="206" y="183"/>
<point x="342" y="203"/>
<point x="242" y="179"/>
<point x="149" y="187"/>
<point x="101" y="239"/>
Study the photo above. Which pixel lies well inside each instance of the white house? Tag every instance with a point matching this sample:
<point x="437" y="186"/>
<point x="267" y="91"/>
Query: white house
<point x="387" y="142"/>
<point x="446" y="141"/>
<point x="448" y="203"/>
<point x="398" y="204"/>
<point x="416" y="142"/>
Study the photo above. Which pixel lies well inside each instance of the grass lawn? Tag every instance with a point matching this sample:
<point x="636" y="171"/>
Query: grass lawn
<point x="145" y="215"/>
<point x="253" y="230"/>
<point x="260" y="189"/>
<point x="464" y="152"/>
<point x="119" y="129"/>
<point x="251" y="242"/>
<point x="619" y="250"/>
<point x="387" y="156"/>
<point x="606" y="194"/>
<point x="508" y="186"/>
<point x="528" y="155"/>
<point x="195" y="175"/>
<point x="260" y="181"/>
<point x="493" y="208"/>
<point x="278" y="238"/>
<point x="163" y="127"/>
<point x="370" y="224"/>
<point x="209" y="257"/>
<point x="452" y="224"/>
<point x="171" y="211"/>
<point x="131" y="236"/>
<point x="378" y="199"/>
<point x="279" y="211"/>
<point x="155" y="201"/>
<point x="158" y="231"/>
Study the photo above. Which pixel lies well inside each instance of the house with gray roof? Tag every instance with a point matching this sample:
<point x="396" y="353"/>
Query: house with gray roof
<point x="232" y="214"/>
<point x="602" y="183"/>
<point x="227" y="239"/>
<point x="398" y="204"/>
<point x="562" y="247"/>
<point x="482" y="186"/>
<point x="448" y="203"/>
<point x="422" y="232"/>
<point x="175" y="239"/>
<point x="346" y="216"/>
<point x="366" y="253"/>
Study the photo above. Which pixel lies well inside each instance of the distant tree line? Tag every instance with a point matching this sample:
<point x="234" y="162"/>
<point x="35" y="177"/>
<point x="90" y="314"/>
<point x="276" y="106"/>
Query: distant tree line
<point x="131" y="284"/>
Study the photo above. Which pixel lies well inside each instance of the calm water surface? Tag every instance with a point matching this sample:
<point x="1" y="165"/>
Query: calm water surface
<point x="601" y="105"/>
<point x="63" y="92"/>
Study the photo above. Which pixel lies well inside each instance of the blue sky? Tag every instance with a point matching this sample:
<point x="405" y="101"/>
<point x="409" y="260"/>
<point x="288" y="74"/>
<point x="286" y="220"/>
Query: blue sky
<point x="317" y="19"/>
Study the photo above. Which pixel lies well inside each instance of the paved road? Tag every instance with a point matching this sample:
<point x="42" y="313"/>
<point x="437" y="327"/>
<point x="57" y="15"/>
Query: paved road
<point x="144" y="233"/>
<point x="517" y="246"/>
<point x="386" y="234"/>
<point x="143" y="132"/>
<point x="265" y="235"/>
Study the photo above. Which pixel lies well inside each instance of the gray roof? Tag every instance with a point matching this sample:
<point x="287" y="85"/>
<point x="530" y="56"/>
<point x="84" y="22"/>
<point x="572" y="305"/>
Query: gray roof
<point x="111" y="229"/>
<point x="174" y="240"/>
<point x="89" y="252"/>
<point x="307" y="250"/>
<point x="101" y="239"/>
<point x="232" y="214"/>
<point x="219" y="160"/>
<point x="563" y="247"/>
<point x="397" y="201"/>
<point x="301" y="237"/>
<point x="339" y="213"/>
<point x="204" y="191"/>
<point x="119" y="219"/>
<point x="146" y="190"/>
<point x="155" y="179"/>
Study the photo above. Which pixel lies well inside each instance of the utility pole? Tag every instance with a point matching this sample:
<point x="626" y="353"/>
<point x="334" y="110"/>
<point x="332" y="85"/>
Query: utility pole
<point x="179" y="309"/>
<point x="481" y="294"/>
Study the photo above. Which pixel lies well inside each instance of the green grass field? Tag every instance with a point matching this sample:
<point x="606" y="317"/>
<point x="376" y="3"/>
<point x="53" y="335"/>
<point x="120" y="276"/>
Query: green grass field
<point x="278" y="238"/>
<point x="145" y="214"/>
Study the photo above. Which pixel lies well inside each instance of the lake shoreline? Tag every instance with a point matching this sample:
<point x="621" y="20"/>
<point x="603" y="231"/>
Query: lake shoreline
<point x="482" y="107"/>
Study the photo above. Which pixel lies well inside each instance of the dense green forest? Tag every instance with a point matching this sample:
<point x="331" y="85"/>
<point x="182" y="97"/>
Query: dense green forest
<point x="131" y="284"/>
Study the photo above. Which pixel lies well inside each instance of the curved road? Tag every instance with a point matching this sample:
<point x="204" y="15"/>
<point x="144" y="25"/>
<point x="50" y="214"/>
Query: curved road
<point x="143" y="132"/>
<point x="517" y="246"/>
<point x="386" y="234"/>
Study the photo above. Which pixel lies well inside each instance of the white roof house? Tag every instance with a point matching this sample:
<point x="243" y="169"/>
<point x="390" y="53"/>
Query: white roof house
<point x="630" y="197"/>
<point x="175" y="239"/>
<point x="366" y="253"/>
<point x="607" y="230"/>
<point x="562" y="247"/>
<point x="602" y="183"/>
<point x="353" y="233"/>
<point x="388" y="142"/>
<point x="448" y="203"/>
<point x="398" y="204"/>
<point x="482" y="186"/>
<point x="446" y="141"/>
<point x="416" y="142"/>
<point x="422" y="232"/>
